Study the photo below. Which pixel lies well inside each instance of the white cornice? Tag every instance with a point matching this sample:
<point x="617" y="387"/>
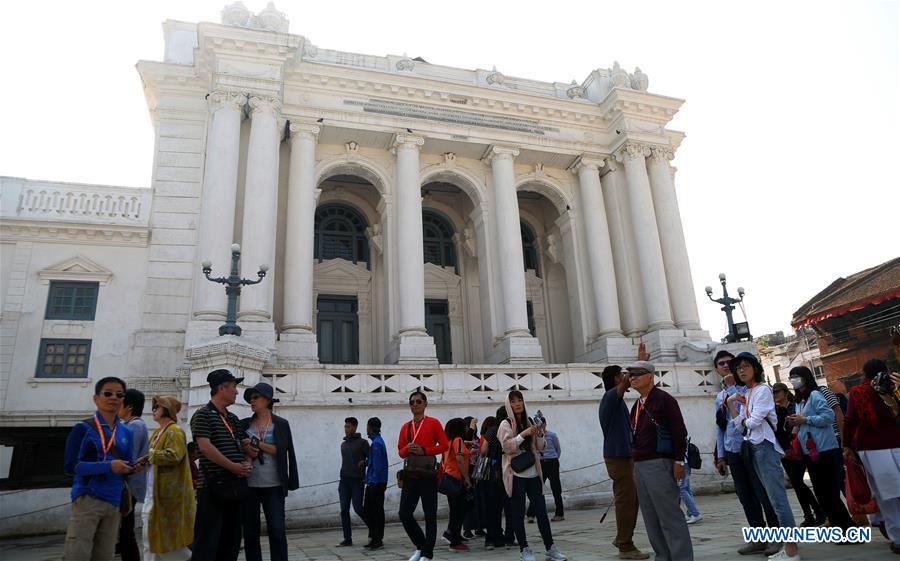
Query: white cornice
<point x="67" y="232"/>
<point x="78" y="268"/>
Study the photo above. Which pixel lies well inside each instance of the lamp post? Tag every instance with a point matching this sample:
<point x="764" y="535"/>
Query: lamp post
<point x="233" y="284"/>
<point x="728" y="307"/>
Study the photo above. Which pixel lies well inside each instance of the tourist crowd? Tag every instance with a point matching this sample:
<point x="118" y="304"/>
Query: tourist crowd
<point x="487" y="473"/>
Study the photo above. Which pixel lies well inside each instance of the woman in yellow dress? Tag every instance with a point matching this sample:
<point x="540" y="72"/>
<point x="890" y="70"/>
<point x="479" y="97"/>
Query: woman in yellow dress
<point x="169" y="507"/>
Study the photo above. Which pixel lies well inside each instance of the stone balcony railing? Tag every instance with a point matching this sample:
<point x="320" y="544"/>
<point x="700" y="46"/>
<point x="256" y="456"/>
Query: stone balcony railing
<point x="73" y="202"/>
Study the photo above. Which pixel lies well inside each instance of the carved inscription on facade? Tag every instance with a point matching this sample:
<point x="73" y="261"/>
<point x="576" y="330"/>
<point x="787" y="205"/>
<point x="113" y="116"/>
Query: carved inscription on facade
<point x="415" y="111"/>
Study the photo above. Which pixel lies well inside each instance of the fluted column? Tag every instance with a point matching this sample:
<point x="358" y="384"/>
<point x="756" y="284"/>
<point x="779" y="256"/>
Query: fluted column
<point x="218" y="200"/>
<point x="260" y="206"/>
<point x="600" y="257"/>
<point x="411" y="260"/>
<point x="674" y="248"/>
<point x="511" y="264"/>
<point x="646" y="235"/>
<point x="299" y="231"/>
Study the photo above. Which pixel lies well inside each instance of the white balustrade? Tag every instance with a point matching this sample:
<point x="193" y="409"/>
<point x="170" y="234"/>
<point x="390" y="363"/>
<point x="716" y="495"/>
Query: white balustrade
<point x="75" y="202"/>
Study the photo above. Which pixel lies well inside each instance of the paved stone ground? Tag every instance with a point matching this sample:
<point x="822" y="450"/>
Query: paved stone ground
<point x="580" y="537"/>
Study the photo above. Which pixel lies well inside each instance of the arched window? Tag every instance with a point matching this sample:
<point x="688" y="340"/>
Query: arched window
<point x="529" y="249"/>
<point x="340" y="231"/>
<point x="437" y="240"/>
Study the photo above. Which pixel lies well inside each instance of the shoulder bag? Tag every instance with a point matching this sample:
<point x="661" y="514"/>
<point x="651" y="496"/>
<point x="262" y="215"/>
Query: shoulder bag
<point x="525" y="459"/>
<point x="415" y="466"/>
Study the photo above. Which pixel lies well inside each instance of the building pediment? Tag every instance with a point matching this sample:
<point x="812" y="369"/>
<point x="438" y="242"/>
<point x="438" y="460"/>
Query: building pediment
<point x="78" y="268"/>
<point x="440" y="276"/>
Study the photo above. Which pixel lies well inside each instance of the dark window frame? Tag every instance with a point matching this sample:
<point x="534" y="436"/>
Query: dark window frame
<point x="37" y="458"/>
<point x="529" y="249"/>
<point x="42" y="355"/>
<point x="354" y="232"/>
<point x="437" y="240"/>
<point x="53" y="311"/>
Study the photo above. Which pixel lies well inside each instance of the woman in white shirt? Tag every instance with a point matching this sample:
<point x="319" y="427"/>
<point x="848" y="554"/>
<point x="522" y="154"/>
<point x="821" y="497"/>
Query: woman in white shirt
<point x="757" y="418"/>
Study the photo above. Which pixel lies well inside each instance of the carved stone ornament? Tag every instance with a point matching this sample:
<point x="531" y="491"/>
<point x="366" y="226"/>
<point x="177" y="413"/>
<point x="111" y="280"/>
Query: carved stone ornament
<point x="407" y="140"/>
<point x="639" y="80"/>
<point x="539" y="168"/>
<point x="304" y="130"/>
<point x="634" y="151"/>
<point x="500" y="153"/>
<point x="226" y="100"/>
<point x="575" y="91"/>
<point x="376" y="239"/>
<point x="619" y="77"/>
<point x="352" y="148"/>
<point x="468" y="241"/>
<point x="405" y="64"/>
<point x="236" y="14"/>
<point x="450" y="159"/>
<point x="310" y="51"/>
<point x="262" y="104"/>
<point x="553" y="248"/>
<point x="494" y="78"/>
<point x="661" y="154"/>
<point x="271" y="19"/>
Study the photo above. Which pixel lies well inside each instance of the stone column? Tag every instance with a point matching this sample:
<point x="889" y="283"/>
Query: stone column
<point x="412" y="341"/>
<point x="646" y="235"/>
<point x="518" y="344"/>
<point x="600" y="257"/>
<point x="260" y="207"/>
<point x="674" y="248"/>
<point x="218" y="201"/>
<point x="299" y="341"/>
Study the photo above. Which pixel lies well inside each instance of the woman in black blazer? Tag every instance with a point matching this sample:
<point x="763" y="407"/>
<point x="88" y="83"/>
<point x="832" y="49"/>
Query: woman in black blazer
<point x="271" y="446"/>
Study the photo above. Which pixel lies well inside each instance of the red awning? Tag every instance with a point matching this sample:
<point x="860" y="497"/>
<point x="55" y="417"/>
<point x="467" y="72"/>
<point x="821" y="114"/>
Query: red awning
<point x="858" y="305"/>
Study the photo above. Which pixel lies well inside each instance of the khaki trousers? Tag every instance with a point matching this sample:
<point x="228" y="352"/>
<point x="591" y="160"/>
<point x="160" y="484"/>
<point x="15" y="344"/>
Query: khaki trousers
<point x="621" y="471"/>
<point x="93" y="530"/>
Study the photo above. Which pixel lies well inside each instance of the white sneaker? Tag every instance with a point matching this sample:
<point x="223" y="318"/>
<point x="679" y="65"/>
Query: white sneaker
<point x="783" y="556"/>
<point x="554" y="554"/>
<point x="417" y="556"/>
<point x="424" y="559"/>
<point x="694" y="519"/>
<point x="527" y="554"/>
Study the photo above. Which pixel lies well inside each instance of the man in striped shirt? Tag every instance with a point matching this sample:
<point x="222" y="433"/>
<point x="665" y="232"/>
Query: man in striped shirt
<point x="224" y="467"/>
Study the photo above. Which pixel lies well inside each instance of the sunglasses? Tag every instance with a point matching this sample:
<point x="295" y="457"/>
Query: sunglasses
<point x="724" y="362"/>
<point x="743" y="366"/>
<point x="117" y="395"/>
<point x="416" y="402"/>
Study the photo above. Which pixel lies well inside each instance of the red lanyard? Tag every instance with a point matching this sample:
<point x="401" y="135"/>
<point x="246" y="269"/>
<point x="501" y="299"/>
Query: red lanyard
<point x="262" y="437"/>
<point x="415" y="434"/>
<point x="227" y="424"/>
<point x="104" y="445"/>
<point x="637" y="412"/>
<point x="159" y="434"/>
<point x="747" y="406"/>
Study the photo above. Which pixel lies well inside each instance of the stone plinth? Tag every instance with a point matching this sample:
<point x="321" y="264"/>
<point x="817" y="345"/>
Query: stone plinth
<point x="412" y="349"/>
<point x="612" y="350"/>
<point x="517" y="350"/>
<point x="298" y="349"/>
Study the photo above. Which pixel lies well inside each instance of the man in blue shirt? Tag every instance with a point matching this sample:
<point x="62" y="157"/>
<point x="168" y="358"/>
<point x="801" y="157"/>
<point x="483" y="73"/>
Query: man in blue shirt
<point x="617" y="433"/>
<point x="99" y="456"/>
<point x="376" y="483"/>
<point x="130" y="414"/>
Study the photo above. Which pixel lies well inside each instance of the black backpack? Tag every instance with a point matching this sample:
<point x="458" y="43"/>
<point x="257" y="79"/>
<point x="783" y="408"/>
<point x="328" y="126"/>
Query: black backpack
<point x="693" y="455"/>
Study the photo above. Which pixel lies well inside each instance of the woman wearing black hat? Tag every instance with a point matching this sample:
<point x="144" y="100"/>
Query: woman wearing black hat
<point x="271" y="446"/>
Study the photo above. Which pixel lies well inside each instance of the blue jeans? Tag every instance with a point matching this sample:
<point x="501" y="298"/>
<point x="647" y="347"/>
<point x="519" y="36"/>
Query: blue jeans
<point x="350" y="490"/>
<point x="272" y="501"/>
<point x="767" y="463"/>
<point x="687" y="497"/>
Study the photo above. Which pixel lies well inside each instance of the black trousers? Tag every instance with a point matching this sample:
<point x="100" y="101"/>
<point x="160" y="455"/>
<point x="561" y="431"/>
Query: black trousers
<point x="490" y="505"/>
<point x="458" y="510"/>
<point x="413" y="491"/>
<point x="217" y="529"/>
<point x="272" y="501"/>
<point x="128" y="545"/>
<point x="750" y="492"/>
<point x="827" y="477"/>
<point x="550" y="471"/>
<point x="533" y="488"/>
<point x="807" y="499"/>
<point x="373" y="511"/>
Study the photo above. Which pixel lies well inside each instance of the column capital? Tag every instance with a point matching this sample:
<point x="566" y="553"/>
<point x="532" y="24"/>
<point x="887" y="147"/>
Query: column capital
<point x="407" y="140"/>
<point x="633" y="151"/>
<point x="661" y="154"/>
<point x="309" y="131"/>
<point x="225" y="100"/>
<point x="498" y="152"/>
<point x="590" y="162"/>
<point x="263" y="104"/>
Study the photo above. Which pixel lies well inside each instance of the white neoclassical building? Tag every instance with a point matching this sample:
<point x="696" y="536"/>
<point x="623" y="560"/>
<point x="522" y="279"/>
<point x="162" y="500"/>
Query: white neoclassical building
<point x="423" y="226"/>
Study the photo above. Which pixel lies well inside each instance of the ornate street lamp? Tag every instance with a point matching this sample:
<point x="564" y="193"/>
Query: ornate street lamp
<point x="233" y="284"/>
<point x="736" y="331"/>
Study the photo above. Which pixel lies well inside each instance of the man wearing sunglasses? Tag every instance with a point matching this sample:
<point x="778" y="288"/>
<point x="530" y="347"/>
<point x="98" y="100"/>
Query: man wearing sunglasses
<point x="99" y="456"/>
<point x="420" y="441"/>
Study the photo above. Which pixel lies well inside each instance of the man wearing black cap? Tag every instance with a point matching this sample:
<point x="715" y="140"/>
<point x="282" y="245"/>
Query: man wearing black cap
<point x="223" y="472"/>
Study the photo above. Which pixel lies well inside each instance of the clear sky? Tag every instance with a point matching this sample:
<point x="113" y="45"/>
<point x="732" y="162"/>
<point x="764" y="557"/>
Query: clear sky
<point x="788" y="177"/>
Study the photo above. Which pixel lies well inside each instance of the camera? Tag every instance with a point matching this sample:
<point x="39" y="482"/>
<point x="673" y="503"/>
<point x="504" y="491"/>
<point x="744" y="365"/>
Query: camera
<point x="254" y="443"/>
<point x="539" y="418"/>
<point x="882" y="383"/>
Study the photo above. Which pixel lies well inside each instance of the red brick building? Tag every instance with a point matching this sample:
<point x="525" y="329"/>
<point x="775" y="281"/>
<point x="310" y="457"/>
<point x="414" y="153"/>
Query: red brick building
<point x="854" y="319"/>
